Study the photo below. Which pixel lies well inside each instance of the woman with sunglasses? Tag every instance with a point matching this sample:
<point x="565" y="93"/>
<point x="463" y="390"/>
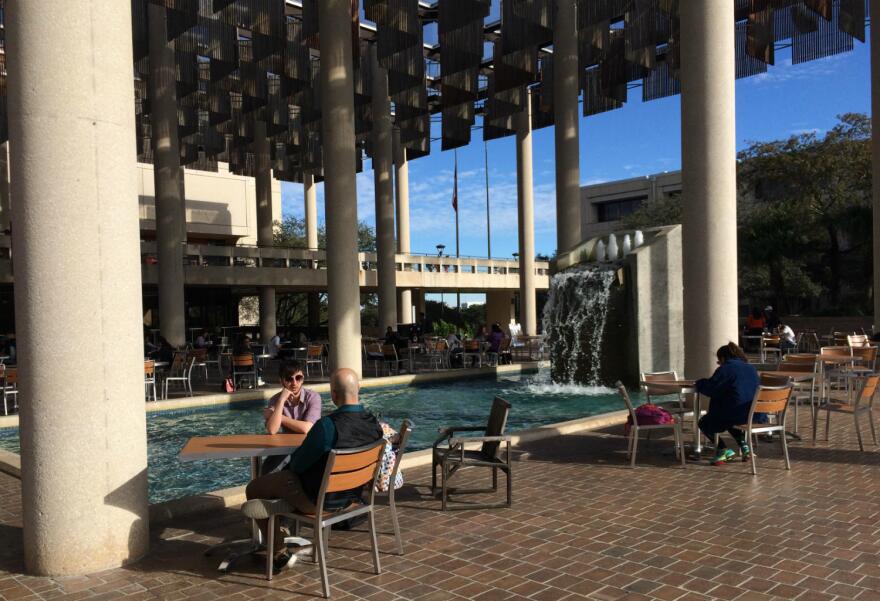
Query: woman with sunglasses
<point x="291" y="411"/>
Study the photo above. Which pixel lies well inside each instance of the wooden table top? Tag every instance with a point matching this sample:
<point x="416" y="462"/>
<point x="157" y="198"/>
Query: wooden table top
<point x="679" y="383"/>
<point x="239" y="445"/>
<point x="794" y="375"/>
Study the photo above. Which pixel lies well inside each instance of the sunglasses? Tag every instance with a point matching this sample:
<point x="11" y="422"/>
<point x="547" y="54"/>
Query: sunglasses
<point x="297" y="377"/>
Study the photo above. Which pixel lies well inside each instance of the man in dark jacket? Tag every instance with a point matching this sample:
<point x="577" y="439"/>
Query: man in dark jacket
<point x="731" y="390"/>
<point x="348" y="427"/>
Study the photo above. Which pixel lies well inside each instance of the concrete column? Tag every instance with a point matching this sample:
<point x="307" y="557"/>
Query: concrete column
<point x="167" y="175"/>
<point x="340" y="189"/>
<point x="419" y="302"/>
<point x="382" y="152"/>
<point x="5" y="207"/>
<point x="566" y="114"/>
<point x="265" y="223"/>
<point x="526" y="222"/>
<point x="310" y="194"/>
<point x="314" y="313"/>
<point x="708" y="166"/>
<point x="875" y="149"/>
<point x="401" y="180"/>
<point x="83" y="429"/>
<point x="499" y="308"/>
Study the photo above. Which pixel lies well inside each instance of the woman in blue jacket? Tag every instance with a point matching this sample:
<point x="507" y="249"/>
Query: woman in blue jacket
<point x="731" y="390"/>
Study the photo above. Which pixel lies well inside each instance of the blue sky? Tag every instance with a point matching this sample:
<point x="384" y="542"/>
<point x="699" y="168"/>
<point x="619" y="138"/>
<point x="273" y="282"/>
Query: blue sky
<point x="638" y="139"/>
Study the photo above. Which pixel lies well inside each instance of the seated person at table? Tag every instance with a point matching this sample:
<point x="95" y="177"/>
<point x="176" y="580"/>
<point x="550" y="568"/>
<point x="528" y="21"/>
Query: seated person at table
<point x="731" y="390"/>
<point x="348" y="427"/>
<point x="274" y="346"/>
<point x="166" y="351"/>
<point x="291" y="411"/>
<point x="755" y="322"/>
<point x="495" y="338"/>
<point x="202" y="340"/>
<point x="787" y="339"/>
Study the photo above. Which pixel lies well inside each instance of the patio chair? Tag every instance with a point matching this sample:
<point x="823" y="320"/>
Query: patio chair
<point x="773" y="401"/>
<point x="454" y="456"/>
<point x="857" y="340"/>
<point x="473" y="350"/>
<point x="10" y="389"/>
<point x="437" y="354"/>
<point x="150" y="378"/>
<point x="315" y="354"/>
<point x="801" y="363"/>
<point x="181" y="372"/>
<point x="390" y="358"/>
<point x="836" y="371"/>
<point x="636" y="427"/>
<point x="200" y="360"/>
<point x="402" y="440"/>
<point x="654" y="387"/>
<point x="863" y="404"/>
<point x="373" y="352"/>
<point x="346" y="469"/>
<point x="770" y="345"/>
<point x="212" y="359"/>
<point x="244" y="367"/>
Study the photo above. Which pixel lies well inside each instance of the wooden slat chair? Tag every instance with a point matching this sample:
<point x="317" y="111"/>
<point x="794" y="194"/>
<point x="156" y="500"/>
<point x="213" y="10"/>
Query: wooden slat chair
<point x="773" y="401"/>
<point x="835" y="370"/>
<point x="801" y="363"/>
<point x="390" y="358"/>
<point x="10" y="389"/>
<point x="437" y="354"/>
<point x="373" y="352"/>
<point x="200" y="360"/>
<point x="857" y="340"/>
<point x="315" y="354"/>
<point x="244" y="367"/>
<point x="150" y="378"/>
<point x="454" y="456"/>
<point x="655" y="387"/>
<point x="636" y="428"/>
<point x="181" y="372"/>
<point x="770" y="345"/>
<point x="346" y="469"/>
<point x="471" y="348"/>
<point x="863" y="404"/>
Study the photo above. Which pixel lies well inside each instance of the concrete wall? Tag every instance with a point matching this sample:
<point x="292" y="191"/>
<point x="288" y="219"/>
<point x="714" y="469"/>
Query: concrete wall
<point x="656" y="302"/>
<point x="218" y="205"/>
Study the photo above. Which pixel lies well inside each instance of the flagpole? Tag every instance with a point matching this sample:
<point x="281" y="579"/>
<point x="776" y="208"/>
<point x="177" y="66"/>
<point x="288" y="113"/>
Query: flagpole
<point x="457" y="249"/>
<point x="488" y="224"/>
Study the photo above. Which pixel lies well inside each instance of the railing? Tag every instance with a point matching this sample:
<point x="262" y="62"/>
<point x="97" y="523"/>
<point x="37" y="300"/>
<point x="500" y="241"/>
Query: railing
<point x="206" y="255"/>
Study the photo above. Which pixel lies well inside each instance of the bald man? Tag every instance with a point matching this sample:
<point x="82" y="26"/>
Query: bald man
<point x="349" y="426"/>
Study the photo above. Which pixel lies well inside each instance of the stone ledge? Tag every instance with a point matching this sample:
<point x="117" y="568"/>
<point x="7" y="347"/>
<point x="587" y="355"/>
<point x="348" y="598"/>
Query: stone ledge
<point x="10" y="463"/>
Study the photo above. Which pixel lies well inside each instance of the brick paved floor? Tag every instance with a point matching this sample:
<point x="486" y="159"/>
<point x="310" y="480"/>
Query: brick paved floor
<point x="582" y="526"/>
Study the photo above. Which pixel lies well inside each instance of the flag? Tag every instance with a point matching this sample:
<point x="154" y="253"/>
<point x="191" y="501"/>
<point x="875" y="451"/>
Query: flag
<point x="455" y="186"/>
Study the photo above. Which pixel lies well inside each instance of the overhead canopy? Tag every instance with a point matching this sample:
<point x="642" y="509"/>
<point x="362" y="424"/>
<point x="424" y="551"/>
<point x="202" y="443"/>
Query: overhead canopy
<point x="240" y="61"/>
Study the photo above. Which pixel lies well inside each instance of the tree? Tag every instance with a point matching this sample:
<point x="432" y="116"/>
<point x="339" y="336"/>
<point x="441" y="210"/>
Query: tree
<point x="804" y="219"/>
<point x="291" y="232"/>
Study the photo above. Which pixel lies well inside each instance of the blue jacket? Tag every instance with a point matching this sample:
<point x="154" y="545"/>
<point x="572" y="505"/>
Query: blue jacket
<point x="731" y="389"/>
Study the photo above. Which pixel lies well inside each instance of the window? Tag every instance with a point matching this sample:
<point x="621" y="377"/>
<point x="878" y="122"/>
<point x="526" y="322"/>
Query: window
<point x="617" y="209"/>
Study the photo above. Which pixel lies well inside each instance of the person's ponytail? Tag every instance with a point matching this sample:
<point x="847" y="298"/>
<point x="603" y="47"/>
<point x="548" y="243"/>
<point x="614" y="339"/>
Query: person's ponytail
<point x="731" y="351"/>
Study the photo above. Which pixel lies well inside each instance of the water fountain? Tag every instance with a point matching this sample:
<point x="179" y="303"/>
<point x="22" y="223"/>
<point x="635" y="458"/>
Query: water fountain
<point x="615" y="311"/>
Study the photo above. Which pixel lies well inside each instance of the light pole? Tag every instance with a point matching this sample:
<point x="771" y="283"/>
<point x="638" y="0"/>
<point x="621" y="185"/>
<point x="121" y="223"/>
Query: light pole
<point x="440" y="248"/>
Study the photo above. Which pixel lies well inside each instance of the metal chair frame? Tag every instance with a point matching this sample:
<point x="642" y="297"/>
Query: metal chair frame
<point x="10" y="388"/>
<point x="863" y="403"/>
<point x="244" y="361"/>
<point x="454" y="457"/>
<point x="150" y="378"/>
<point x="403" y="439"/>
<point x="772" y="405"/>
<point x="472" y="349"/>
<point x="373" y="352"/>
<point x="315" y="354"/>
<point x="185" y="366"/>
<point x="635" y="428"/>
<point x="656" y="388"/>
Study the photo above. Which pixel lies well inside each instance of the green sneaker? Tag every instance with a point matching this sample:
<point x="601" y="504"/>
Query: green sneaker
<point x="723" y="457"/>
<point x="745" y="452"/>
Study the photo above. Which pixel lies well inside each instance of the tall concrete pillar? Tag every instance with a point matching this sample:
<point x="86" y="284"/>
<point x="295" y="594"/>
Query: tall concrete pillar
<point x="167" y="178"/>
<point x="265" y="223"/>
<point x="708" y="167"/>
<point x="875" y="149"/>
<point x="72" y="142"/>
<point x="419" y="302"/>
<point x="340" y="191"/>
<point x="401" y="187"/>
<point x="566" y="114"/>
<point x="499" y="308"/>
<point x="310" y="198"/>
<point x="526" y="222"/>
<point x="5" y="207"/>
<point x="313" y="301"/>
<point x="384" y="186"/>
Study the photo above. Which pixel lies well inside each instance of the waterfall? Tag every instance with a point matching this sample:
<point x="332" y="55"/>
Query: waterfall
<point x="574" y="321"/>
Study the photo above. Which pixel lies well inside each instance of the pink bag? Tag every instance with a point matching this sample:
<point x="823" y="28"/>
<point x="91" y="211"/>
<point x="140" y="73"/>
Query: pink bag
<point x="650" y="414"/>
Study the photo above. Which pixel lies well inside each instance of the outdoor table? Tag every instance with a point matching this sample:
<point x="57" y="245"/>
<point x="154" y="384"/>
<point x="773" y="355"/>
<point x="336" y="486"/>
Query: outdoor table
<point x="832" y="360"/>
<point x="753" y="337"/>
<point x="686" y="387"/>
<point x="253" y="446"/>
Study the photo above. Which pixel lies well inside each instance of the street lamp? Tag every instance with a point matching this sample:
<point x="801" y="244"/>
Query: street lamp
<point x="440" y="248"/>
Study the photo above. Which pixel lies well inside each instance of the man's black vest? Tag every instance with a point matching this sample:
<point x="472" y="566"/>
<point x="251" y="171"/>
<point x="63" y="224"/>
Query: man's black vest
<point x="353" y="429"/>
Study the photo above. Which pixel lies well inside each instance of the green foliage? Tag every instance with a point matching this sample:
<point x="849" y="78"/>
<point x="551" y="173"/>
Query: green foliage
<point x="804" y="220"/>
<point x="291" y="232"/>
<point x="466" y="322"/>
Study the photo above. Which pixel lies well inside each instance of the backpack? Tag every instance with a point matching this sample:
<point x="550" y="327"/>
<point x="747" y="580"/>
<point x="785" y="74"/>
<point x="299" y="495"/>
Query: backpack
<point x="649" y="414"/>
<point x="386" y="464"/>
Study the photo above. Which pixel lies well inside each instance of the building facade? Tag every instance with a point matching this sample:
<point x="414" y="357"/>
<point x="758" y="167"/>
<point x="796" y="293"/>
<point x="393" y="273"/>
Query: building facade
<point x="606" y="204"/>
